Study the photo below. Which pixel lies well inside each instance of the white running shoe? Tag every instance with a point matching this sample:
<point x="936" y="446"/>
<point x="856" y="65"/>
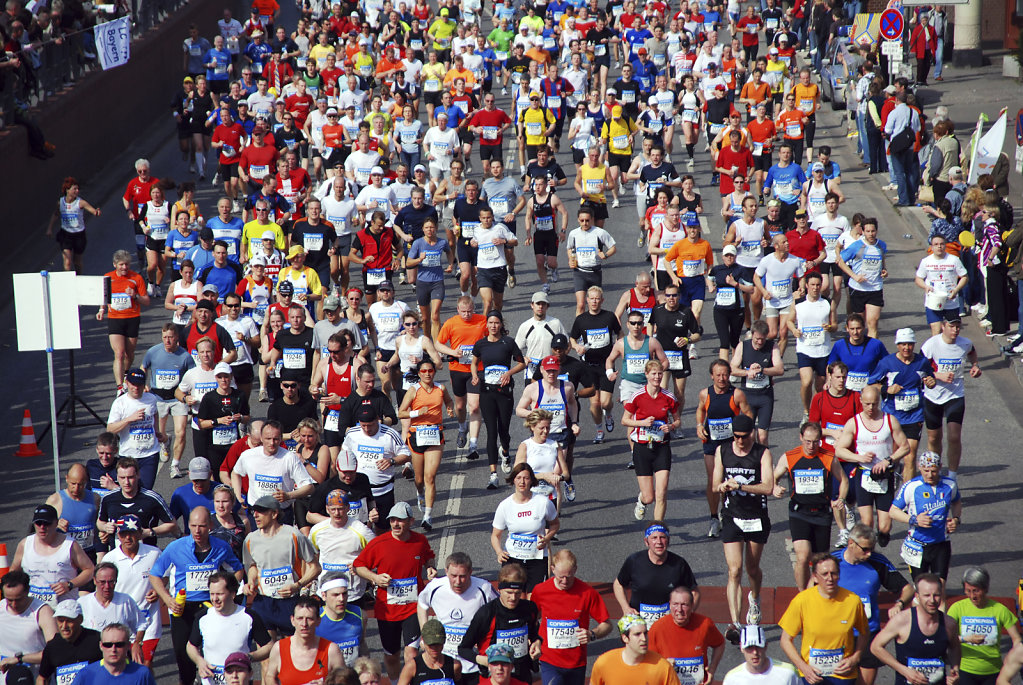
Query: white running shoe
<point x="715" y="528"/>
<point x="493" y="483"/>
<point x="616" y="203"/>
<point x="164" y="452"/>
<point x="753" y="613"/>
<point x="843" y="539"/>
<point x="640" y="510"/>
<point x="554" y="275"/>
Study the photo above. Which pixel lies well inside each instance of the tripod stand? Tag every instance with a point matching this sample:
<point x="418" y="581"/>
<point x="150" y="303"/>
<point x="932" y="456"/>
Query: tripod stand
<point x="68" y="408"/>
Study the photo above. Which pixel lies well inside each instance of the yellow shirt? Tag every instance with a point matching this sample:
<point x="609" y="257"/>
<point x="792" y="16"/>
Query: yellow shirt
<point x="305" y="280"/>
<point x="773" y="65"/>
<point x="442" y="29"/>
<point x="806" y="97"/>
<point x="617" y="134"/>
<point x="593" y="182"/>
<point x="535" y="122"/>
<point x="252" y="236"/>
<point x="825" y="626"/>
<point x="319" y="52"/>
<point x="432" y="77"/>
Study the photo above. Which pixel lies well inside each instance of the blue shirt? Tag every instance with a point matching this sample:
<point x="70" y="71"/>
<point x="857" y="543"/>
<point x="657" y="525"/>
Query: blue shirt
<point x="166" y="369"/>
<point x="866" y="578"/>
<point x="181" y="243"/>
<point x="866" y="260"/>
<point x="489" y="58"/>
<point x="917" y="497"/>
<point x="97" y="674"/>
<point x="230" y="233"/>
<point x="411" y="220"/>
<point x="901" y="117"/>
<point x="556" y="9"/>
<point x="790" y="180"/>
<point x="836" y="171"/>
<point x="908" y="405"/>
<point x="455" y="115"/>
<point x="200" y="256"/>
<point x="861" y="360"/>
<point x="185" y="499"/>
<point x="226" y="278"/>
<point x="259" y="55"/>
<point x="346" y="633"/>
<point x="431" y="269"/>
<point x="223" y="60"/>
<point x="180" y="555"/>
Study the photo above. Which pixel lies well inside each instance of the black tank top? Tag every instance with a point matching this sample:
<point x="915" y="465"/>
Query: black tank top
<point x="543" y="213"/>
<point x="924" y="653"/>
<point x="746" y="471"/>
<point x="445" y="675"/>
<point x="764" y="384"/>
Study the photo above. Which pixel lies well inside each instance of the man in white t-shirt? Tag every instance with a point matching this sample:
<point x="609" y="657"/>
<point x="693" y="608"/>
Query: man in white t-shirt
<point x="440" y="144"/>
<point x="134" y="559"/>
<point x="377" y="449"/>
<point x="387" y="315"/>
<point x="759" y="669"/>
<point x="134" y="419"/>
<point x="773" y="278"/>
<point x="942" y="276"/>
<point x="272" y="470"/>
<point x="491" y="261"/>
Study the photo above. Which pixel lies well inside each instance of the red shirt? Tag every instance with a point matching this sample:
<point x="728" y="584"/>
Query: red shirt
<point x="330" y="77"/>
<point x="259" y="161"/>
<point x="576" y="606"/>
<point x="728" y="158"/>
<point x="299" y="106"/>
<point x="808" y="246"/>
<point x="227" y="466"/>
<point x="688" y="642"/>
<point x="791" y="118"/>
<point x="138" y="193"/>
<point x="402" y="561"/>
<point x="277" y="75"/>
<point x="834" y="412"/>
<point x="231" y="136"/>
<point x="641" y="405"/>
<point x="495" y="119"/>
<point x="750" y="28"/>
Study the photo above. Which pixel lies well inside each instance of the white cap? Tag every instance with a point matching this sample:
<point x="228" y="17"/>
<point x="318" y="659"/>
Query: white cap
<point x="652" y="100"/>
<point x="729" y="249"/>
<point x="222" y="367"/>
<point x="752" y="636"/>
<point x="269" y="235"/>
<point x="905" y="335"/>
<point x="376" y="170"/>
<point x="346" y="461"/>
<point x="257" y="260"/>
<point x="69" y="608"/>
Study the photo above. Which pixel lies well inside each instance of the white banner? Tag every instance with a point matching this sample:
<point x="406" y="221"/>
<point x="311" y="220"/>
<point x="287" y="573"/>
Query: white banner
<point x="113" y="42"/>
<point x="987" y="150"/>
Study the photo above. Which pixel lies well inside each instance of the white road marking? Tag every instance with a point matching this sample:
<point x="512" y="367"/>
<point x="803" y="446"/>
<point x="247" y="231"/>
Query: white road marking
<point x="447" y="542"/>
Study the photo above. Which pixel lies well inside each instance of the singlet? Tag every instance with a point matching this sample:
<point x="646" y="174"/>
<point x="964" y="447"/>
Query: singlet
<point x="44" y="571"/>
<point x="455" y="192"/>
<point x="689" y="103"/>
<point x="428" y="403"/>
<point x="879" y="442"/>
<point x="338" y="383"/>
<point x="81" y="519"/>
<point x="556" y="404"/>
<point x="761" y="384"/>
<point x="668" y="238"/>
<point x="21" y="632"/>
<point x="599" y="117"/>
<point x="542" y="458"/>
<point x="158" y="220"/>
<point x="234" y="536"/>
<point x="634" y="361"/>
<point x="186" y="295"/>
<point x="923" y="653"/>
<point x="815" y="195"/>
<point x="72" y="216"/>
<point x="289" y="675"/>
<point x="645" y="307"/>
<point x="346" y="633"/>
<point x="425" y="675"/>
<point x="743" y="506"/>
<point x="748" y="237"/>
<point x="405" y="354"/>
<point x="593" y="183"/>
<point x="543" y="213"/>
<point x="810" y="495"/>
<point x="721" y="409"/>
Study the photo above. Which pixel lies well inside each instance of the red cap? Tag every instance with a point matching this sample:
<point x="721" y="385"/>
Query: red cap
<point x="550" y="362"/>
<point x="720" y="86"/>
<point x="641" y="51"/>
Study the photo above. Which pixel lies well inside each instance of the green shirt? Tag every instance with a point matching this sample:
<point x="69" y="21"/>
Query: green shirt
<point x="535" y="24"/>
<point x="986" y="658"/>
<point x="501" y="38"/>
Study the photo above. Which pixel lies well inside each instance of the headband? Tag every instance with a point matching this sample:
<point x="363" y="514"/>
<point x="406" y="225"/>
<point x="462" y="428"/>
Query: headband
<point x="336" y="583"/>
<point x="510" y="585"/>
<point x="626" y="622"/>
<point x="654" y="528"/>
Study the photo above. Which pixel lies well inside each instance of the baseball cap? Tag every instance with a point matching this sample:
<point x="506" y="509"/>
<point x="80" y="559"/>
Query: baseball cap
<point x="129" y="523"/>
<point x="534" y="94"/>
<point x="442" y="114"/>
<point x="286" y="288"/>
<point x="376" y="170"/>
<point x="783" y="37"/>
<point x="386" y="285"/>
<point x="550" y="362"/>
<point x="773" y="51"/>
<point x="295" y="251"/>
<point x="267" y="502"/>
<point x="222" y="368"/>
<point x="44" y="513"/>
<point x="331" y="302"/>
<point x="432" y="632"/>
<point x="559" y="342"/>
<point x="268" y="235"/>
<point x="817" y="166"/>
<point x="136" y="377"/>
<point x="752" y="636"/>
<point x="500" y="653"/>
<point x="955" y="171"/>
<point x="616" y="112"/>
<point x="890" y="90"/>
<point x="210" y="288"/>
<point x="905" y="335"/>
<point x="742" y="424"/>
<point x="444" y="11"/>
<point x="951" y="316"/>
<point x="611" y="91"/>
<point x="419" y="167"/>
<point x="188" y="79"/>
<point x="641" y="51"/>
<point x="238" y="660"/>
<point x="652" y="100"/>
<point x="69" y="608"/>
<point x="19" y="674"/>
<point x="331" y="110"/>
<point x="258" y="260"/>
<point x="800" y="213"/>
<point x="720" y="87"/>
<point x="346" y="461"/>
<point x="401" y="510"/>
<point x="199" y="467"/>
<point x="366" y="413"/>
<point x="206" y="304"/>
<point x="540" y="297"/>
<point x="729" y="249"/>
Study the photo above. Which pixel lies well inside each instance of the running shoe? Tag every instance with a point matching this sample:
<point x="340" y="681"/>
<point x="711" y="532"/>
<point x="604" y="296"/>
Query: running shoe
<point x="850" y="518"/>
<point x="599" y="437"/>
<point x="427" y="525"/>
<point x="609" y="421"/>
<point x="641" y="240"/>
<point x="732" y="634"/>
<point x="616" y="203"/>
<point x="691" y="164"/>
<point x="164" y="452"/>
<point x="174" y="471"/>
<point x="473" y="455"/>
<point x="191" y="168"/>
<point x="843" y="539"/>
<point x="511" y="280"/>
<point x="640" y="510"/>
<point x="463" y="435"/>
<point x="420" y="502"/>
<point x="753" y="613"/>
<point x="715" y="528"/>
<point x="546" y="287"/>
<point x="505" y="461"/>
<point x="493" y="483"/>
<point x="554" y="275"/>
<point x="630" y="466"/>
<point x="884" y="538"/>
<point x="407" y="472"/>
<point x="504" y="91"/>
<point x="693" y="354"/>
<point x="263" y="396"/>
<point x="569" y="488"/>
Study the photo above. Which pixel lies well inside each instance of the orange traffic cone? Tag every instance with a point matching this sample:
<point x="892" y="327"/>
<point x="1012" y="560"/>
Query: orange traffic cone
<point x="5" y="565"/>
<point x="28" y="446"/>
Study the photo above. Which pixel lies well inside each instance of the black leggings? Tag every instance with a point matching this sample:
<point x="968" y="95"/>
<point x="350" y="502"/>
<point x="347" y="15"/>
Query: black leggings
<point x="728" y="323"/>
<point x="181" y="630"/>
<point x="496" y="408"/>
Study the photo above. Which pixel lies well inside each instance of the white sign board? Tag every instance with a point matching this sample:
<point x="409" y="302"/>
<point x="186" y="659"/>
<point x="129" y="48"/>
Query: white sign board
<point x="30" y="311"/>
<point x="892" y="49"/>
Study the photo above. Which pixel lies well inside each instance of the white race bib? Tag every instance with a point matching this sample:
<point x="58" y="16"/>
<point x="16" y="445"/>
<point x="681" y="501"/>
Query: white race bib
<point x="403" y="591"/>
<point x="825" y="660"/>
<point x="561" y="634"/>
<point x="808" y="481"/>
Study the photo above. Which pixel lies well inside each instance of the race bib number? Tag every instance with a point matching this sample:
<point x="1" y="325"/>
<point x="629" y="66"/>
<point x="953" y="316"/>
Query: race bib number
<point x="368" y="456"/>
<point x="869" y="484"/>
<point x="265" y="485"/>
<point x="867" y="604"/>
<point x="953" y="366"/>
<point x="813" y="335"/>
<point x="719" y="429"/>
<point x="689" y="670"/>
<point x="312" y="242"/>
<point x="432" y="85"/>
<point x="676" y="359"/>
<point x="758" y="149"/>
<point x="84" y="534"/>
<point x="856" y="380"/>
<point x="969" y="626"/>
<point x="533" y="128"/>
<point x="488" y="252"/>
<point x="690" y="115"/>
<point x="469" y="229"/>
<point x="634" y="364"/>
<point x="781" y="289"/>
<point x="808" y="481"/>
<point x="490" y="133"/>
<point x="599" y="50"/>
<point x="561" y="634"/>
<point x="349" y="650"/>
<point x="66" y="674"/>
<point x="274" y="579"/>
<point x="428" y="435"/>
<point x="523" y="546"/>
<point x="465" y="354"/>
<point x="431" y="258"/>
<point x="294" y="358"/>
<point x="516" y="638"/>
<point x="912" y="553"/>
<point x="586" y="257"/>
<point x="692" y="267"/>
<point x="493" y="373"/>
<point x="932" y="669"/>
<point x="224" y="435"/>
<point x="771" y="23"/>
<point x="43" y="593"/>
<point x="757" y="381"/>
<point x="403" y="591"/>
<point x="725" y="297"/>
<point x="500" y="205"/>
<point x="907" y="401"/>
<point x="598" y="337"/>
<point x="652" y="612"/>
<point x="749" y="525"/>
<point x="120" y="302"/>
<point x="165" y="379"/>
<point x="258" y="171"/>
<point x="452" y="639"/>
<point x="806" y="104"/>
<point x="375" y="277"/>
<point x="620" y="142"/>
<point x="825" y="660"/>
<point x="716" y="129"/>
<point x="333" y="420"/>
<point x="197" y="577"/>
<point x="594" y="186"/>
<point x="871" y="265"/>
<point x="389" y="322"/>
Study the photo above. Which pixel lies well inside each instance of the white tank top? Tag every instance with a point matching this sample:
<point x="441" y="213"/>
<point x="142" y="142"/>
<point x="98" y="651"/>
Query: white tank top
<point x="543" y="458"/>
<point x="44" y="571"/>
<point x="879" y="442"/>
<point x="668" y="238"/>
<point x="553" y="402"/>
<point x="811" y="317"/>
<point x="405" y="354"/>
<point x="749" y="237"/>
<point x="185" y="295"/>
<point x="584" y="133"/>
<point x="158" y="220"/>
<point x="20" y="632"/>
<point x="689" y="100"/>
<point x="815" y="195"/>
<point x="72" y="216"/>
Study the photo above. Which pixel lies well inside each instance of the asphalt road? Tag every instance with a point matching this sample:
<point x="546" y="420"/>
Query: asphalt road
<point x="599" y="526"/>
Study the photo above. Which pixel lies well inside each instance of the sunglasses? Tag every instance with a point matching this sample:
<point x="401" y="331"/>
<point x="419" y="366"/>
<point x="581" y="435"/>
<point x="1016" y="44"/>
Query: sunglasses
<point x="741" y="436"/>
<point x="289" y="385"/>
<point x="635" y="323"/>
<point x="411" y="324"/>
<point x="427" y="370"/>
<point x="111" y="645"/>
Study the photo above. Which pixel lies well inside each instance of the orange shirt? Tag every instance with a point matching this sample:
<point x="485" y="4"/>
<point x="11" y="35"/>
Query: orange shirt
<point x="806" y="97"/>
<point x="688" y="256"/>
<point x="757" y="93"/>
<point x="762" y="134"/>
<point x="683" y="646"/>
<point x="461" y="335"/>
<point x="428" y="403"/>
<point x="791" y="124"/>
<point x="611" y="669"/>
<point x="449" y="78"/>
<point x="122" y="305"/>
<point x="386" y="65"/>
<point x="333" y="136"/>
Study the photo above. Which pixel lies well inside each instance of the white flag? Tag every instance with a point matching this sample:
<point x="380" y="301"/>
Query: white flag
<point x="113" y="42"/>
<point x="987" y="150"/>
